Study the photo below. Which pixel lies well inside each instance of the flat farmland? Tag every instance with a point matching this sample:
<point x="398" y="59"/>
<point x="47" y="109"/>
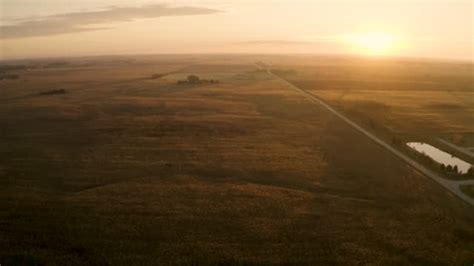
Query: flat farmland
<point x="408" y="97"/>
<point x="406" y="100"/>
<point x="122" y="168"/>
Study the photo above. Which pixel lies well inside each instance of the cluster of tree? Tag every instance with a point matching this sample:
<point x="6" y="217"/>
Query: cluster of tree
<point x="425" y="158"/>
<point x="8" y="68"/>
<point x="195" y="80"/>
<point x="56" y="64"/>
<point x="160" y="75"/>
<point x="454" y="170"/>
<point x="470" y="172"/>
<point x="5" y="69"/>
<point x="53" y="92"/>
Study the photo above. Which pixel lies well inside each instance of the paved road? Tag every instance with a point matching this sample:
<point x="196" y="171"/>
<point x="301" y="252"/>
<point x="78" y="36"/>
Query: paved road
<point x="450" y="185"/>
<point x="457" y="148"/>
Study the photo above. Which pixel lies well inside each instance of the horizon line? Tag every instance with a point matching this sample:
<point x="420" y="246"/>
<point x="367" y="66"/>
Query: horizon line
<point x="385" y="57"/>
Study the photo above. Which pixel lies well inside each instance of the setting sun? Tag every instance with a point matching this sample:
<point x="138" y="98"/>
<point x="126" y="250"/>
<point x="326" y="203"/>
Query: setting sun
<point x="374" y="43"/>
<point x="256" y="132"/>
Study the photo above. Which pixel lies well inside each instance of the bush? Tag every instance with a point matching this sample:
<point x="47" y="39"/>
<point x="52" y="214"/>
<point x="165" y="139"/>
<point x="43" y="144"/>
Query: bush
<point x="193" y="79"/>
<point x="449" y="168"/>
<point x="157" y="76"/>
<point x="443" y="167"/>
<point x="53" y="92"/>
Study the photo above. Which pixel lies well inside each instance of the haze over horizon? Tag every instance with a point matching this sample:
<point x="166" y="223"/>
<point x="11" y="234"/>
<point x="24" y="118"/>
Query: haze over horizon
<point x="236" y="132"/>
<point x="54" y="28"/>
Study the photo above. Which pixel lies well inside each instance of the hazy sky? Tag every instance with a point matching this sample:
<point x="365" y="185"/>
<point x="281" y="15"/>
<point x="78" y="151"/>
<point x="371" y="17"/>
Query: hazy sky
<point x="420" y="28"/>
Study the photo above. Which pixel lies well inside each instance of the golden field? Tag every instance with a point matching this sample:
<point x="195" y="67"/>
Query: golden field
<point x="124" y="169"/>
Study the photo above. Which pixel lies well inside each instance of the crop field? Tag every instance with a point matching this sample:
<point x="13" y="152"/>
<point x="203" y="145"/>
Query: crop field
<point x="102" y="163"/>
<point x="404" y="99"/>
<point x="413" y="98"/>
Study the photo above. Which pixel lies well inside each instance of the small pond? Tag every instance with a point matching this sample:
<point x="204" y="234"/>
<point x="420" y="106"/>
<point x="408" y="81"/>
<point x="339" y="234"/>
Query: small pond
<point x="440" y="156"/>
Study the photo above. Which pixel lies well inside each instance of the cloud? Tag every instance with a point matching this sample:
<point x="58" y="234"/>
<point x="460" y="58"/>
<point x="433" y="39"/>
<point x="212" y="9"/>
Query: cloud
<point x="88" y="21"/>
<point x="315" y="40"/>
<point x="273" y="42"/>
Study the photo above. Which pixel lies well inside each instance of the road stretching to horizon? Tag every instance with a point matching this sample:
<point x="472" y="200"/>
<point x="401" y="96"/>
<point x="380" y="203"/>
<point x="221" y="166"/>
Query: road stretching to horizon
<point x="451" y="185"/>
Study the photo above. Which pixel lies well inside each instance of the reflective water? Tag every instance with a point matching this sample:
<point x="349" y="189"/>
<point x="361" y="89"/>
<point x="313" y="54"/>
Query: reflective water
<point x="440" y="156"/>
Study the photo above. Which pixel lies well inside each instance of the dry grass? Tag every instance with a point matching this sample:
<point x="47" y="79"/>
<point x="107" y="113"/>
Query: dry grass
<point x="468" y="189"/>
<point x="245" y="171"/>
<point x="397" y="99"/>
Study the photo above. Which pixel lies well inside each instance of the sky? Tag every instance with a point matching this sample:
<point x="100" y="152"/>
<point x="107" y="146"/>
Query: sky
<point x="408" y="28"/>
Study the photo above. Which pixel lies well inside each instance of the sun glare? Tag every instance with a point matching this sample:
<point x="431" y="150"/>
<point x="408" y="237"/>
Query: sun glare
<point x="374" y="43"/>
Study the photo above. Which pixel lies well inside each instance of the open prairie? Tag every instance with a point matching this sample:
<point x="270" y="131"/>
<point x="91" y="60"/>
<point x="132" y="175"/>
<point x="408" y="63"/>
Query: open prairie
<point x="109" y="160"/>
<point x="402" y="99"/>
<point x="404" y="96"/>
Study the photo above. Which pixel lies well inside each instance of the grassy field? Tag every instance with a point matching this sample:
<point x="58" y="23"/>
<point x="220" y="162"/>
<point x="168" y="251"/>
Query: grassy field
<point x="468" y="189"/>
<point x="400" y="99"/>
<point x="123" y="169"/>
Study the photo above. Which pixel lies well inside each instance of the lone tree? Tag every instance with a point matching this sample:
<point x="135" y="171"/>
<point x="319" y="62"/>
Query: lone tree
<point x="193" y="79"/>
<point x="449" y="168"/>
<point x="455" y="169"/>
<point x="470" y="171"/>
<point x="443" y="167"/>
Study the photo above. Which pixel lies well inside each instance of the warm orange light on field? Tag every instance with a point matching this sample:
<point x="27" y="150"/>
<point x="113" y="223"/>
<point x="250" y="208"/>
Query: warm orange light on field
<point x="374" y="43"/>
